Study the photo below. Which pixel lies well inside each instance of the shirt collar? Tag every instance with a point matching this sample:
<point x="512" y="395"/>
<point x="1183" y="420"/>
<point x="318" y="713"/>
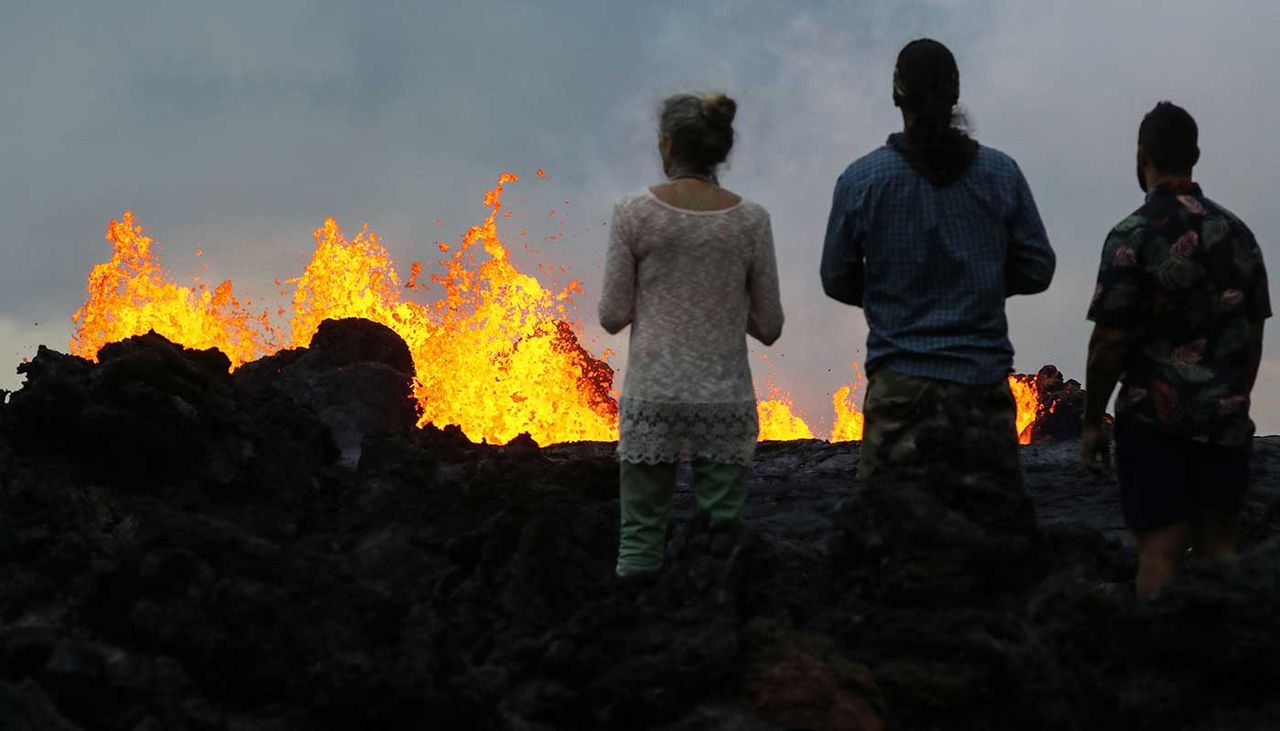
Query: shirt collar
<point x="1175" y="187"/>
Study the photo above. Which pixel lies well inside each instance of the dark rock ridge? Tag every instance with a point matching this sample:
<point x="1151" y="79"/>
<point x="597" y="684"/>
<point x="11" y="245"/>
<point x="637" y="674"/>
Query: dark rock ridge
<point x="183" y="548"/>
<point x="354" y="377"/>
<point x="1062" y="403"/>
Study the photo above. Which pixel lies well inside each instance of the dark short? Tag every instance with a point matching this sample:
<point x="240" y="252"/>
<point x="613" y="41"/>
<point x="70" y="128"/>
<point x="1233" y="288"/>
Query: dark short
<point x="1165" y="480"/>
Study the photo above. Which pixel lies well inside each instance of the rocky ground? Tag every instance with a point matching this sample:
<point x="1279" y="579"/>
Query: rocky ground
<point x="279" y="549"/>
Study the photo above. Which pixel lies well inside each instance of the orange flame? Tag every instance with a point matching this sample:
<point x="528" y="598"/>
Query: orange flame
<point x="494" y="355"/>
<point x="1027" y="397"/>
<point x="131" y="294"/>
<point x="778" y="420"/>
<point x="849" y="420"/>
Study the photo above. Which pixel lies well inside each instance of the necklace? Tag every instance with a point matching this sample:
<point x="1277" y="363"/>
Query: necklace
<point x="704" y="177"/>
<point x="687" y="202"/>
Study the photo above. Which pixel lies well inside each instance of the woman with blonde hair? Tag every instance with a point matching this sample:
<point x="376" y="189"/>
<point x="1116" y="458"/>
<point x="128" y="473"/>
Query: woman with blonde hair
<point x="691" y="268"/>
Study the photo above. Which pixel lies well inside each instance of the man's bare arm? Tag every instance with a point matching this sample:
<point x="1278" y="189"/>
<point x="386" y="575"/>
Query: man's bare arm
<point x="1108" y="349"/>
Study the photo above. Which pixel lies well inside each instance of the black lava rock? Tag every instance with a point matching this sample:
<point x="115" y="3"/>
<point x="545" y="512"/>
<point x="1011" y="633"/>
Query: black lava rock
<point x="280" y="548"/>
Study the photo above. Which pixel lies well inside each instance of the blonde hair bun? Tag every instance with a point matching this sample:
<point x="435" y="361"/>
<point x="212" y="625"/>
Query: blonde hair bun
<point x="719" y="110"/>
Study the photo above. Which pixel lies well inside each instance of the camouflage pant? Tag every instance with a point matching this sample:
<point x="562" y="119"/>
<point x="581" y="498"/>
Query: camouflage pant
<point x="918" y="427"/>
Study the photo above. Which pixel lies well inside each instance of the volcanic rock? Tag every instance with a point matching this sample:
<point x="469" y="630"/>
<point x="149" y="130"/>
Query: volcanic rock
<point x="1062" y="404"/>
<point x="355" y="376"/>
<point x="183" y="548"/>
<point x="155" y="417"/>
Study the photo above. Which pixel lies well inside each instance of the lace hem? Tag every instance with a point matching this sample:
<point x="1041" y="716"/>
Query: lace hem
<point x="651" y="432"/>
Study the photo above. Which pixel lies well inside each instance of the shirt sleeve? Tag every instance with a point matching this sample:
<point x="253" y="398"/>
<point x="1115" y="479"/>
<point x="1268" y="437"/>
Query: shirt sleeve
<point x="617" y="296"/>
<point x="843" y="269"/>
<point x="1117" y="299"/>
<point x="1030" y="263"/>
<point x="1259" y="288"/>
<point x="764" y="318"/>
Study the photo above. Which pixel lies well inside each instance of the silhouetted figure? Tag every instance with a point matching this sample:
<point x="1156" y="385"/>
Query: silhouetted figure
<point x="930" y="234"/>
<point x="1179" y="310"/>
<point x="691" y="268"/>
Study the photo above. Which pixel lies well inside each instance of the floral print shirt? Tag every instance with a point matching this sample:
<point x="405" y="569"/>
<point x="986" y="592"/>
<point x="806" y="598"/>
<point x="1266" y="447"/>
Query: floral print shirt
<point x="1185" y="277"/>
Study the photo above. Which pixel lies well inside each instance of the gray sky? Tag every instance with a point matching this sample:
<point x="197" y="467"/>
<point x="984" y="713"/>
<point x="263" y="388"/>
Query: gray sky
<point x="241" y="125"/>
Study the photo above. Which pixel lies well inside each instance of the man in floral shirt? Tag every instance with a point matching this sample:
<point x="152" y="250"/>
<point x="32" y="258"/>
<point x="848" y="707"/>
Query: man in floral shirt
<point x="1179" y="310"/>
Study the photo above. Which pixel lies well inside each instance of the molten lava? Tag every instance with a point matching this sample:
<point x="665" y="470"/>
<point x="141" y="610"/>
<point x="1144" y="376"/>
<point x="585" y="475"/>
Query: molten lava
<point x="849" y="420"/>
<point x="495" y="352"/>
<point x="130" y="294"/>
<point x="778" y="420"/>
<point x="1027" y="397"/>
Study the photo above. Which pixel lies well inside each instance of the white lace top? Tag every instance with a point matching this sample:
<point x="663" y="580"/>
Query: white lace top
<point x="692" y="285"/>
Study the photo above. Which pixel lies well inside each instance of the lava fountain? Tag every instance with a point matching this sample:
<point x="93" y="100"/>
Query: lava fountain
<point x="778" y="418"/>
<point x="130" y="294"/>
<point x="1026" y="395"/>
<point x="496" y="353"/>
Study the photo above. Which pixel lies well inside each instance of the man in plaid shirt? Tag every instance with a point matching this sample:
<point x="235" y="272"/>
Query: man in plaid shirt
<point x="929" y="234"/>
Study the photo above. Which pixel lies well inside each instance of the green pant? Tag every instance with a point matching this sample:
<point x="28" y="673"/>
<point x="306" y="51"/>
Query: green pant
<point x="646" y="489"/>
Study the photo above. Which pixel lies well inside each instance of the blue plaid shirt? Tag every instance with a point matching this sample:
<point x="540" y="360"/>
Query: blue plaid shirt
<point x="932" y="266"/>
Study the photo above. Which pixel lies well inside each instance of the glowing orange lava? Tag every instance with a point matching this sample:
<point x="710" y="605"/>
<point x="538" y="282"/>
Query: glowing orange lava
<point x="495" y="353"/>
<point x="130" y="294"/>
<point x="849" y="420"/>
<point x="1027" y="397"/>
<point x="778" y="420"/>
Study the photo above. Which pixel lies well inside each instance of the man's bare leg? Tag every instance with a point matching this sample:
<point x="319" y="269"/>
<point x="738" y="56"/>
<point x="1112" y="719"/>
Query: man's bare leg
<point x="1214" y="536"/>
<point x="1159" y="551"/>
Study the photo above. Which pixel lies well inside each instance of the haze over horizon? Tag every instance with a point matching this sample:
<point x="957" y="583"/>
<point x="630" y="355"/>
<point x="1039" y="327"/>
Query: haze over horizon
<point x="241" y="127"/>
